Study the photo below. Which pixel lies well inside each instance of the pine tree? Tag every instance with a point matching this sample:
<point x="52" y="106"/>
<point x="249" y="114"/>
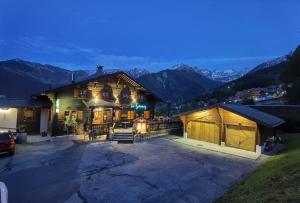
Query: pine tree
<point x="292" y="77"/>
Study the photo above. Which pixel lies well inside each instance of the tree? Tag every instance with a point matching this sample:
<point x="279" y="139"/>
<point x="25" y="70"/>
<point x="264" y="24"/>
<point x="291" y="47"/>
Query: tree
<point x="291" y="76"/>
<point x="248" y="101"/>
<point x="70" y="125"/>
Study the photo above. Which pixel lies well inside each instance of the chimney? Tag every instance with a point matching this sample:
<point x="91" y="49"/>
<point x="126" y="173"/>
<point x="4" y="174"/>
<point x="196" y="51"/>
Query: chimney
<point x="99" y="70"/>
<point x="73" y="77"/>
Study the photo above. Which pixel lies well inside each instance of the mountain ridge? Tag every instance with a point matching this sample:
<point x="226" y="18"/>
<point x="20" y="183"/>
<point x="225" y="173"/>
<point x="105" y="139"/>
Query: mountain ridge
<point x="177" y="85"/>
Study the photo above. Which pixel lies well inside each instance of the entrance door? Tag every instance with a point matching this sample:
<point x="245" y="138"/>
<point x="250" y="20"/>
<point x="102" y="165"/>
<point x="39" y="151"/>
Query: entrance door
<point x="242" y="137"/>
<point x="204" y="131"/>
<point x="102" y="116"/>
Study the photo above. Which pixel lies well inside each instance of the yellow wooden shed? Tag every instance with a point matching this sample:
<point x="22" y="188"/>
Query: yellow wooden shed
<point x="228" y="125"/>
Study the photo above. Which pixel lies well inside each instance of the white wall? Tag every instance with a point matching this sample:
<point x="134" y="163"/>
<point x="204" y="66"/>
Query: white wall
<point x="44" y="120"/>
<point x="8" y="118"/>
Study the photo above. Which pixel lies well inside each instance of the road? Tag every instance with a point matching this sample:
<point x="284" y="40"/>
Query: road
<point x="54" y="181"/>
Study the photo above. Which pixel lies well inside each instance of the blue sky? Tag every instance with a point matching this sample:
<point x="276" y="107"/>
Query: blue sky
<point x="151" y="34"/>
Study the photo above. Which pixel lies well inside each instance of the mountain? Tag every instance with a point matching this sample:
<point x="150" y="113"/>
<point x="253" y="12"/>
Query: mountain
<point x="134" y="72"/>
<point x="137" y="72"/>
<point x="24" y="78"/>
<point x="228" y="74"/>
<point x="264" y="75"/>
<point x="18" y="86"/>
<point x="225" y="76"/>
<point x="42" y="72"/>
<point x="177" y="84"/>
<point x="270" y="64"/>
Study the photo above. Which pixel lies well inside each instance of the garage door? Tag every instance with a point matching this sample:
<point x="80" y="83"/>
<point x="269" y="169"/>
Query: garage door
<point x="241" y="137"/>
<point x="203" y="131"/>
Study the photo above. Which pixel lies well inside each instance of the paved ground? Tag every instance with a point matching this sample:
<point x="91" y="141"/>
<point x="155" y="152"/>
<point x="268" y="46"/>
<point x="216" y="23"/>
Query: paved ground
<point x="32" y="155"/>
<point x="44" y="172"/>
<point x="159" y="170"/>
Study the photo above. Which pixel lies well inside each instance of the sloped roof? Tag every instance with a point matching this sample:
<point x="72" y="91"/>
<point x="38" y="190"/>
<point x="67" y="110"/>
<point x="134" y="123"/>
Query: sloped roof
<point x="19" y="103"/>
<point x="254" y="114"/>
<point x="286" y="112"/>
<point x="120" y="74"/>
<point x="260" y="117"/>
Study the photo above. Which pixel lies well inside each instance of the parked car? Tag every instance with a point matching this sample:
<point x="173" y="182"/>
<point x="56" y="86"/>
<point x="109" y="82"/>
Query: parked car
<point x="122" y="127"/>
<point x="7" y="143"/>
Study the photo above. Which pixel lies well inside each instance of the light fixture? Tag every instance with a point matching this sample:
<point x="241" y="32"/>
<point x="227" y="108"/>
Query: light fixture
<point x="117" y="99"/>
<point x="141" y="126"/>
<point x="98" y="109"/>
<point x="4" y="110"/>
<point x="57" y="102"/>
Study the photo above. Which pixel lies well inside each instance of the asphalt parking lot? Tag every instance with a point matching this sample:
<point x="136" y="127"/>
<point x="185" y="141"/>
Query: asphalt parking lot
<point x="158" y="170"/>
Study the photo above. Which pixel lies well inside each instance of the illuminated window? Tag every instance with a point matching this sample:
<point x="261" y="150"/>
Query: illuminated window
<point x="131" y="115"/>
<point x="98" y="115"/>
<point x="147" y="114"/>
<point x="117" y="115"/>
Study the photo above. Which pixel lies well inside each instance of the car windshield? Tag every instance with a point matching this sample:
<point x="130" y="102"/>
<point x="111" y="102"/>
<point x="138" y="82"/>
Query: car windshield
<point x="123" y="125"/>
<point x="4" y="136"/>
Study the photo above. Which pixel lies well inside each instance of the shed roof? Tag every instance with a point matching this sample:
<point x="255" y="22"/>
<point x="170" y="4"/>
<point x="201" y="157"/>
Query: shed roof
<point x="260" y="117"/>
<point x="286" y="112"/>
<point x="19" y="103"/>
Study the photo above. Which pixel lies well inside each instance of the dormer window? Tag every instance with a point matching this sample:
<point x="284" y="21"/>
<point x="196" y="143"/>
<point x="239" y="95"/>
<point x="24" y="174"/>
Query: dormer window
<point x="141" y="98"/>
<point x="81" y="93"/>
<point x="125" y="95"/>
<point x="107" y="93"/>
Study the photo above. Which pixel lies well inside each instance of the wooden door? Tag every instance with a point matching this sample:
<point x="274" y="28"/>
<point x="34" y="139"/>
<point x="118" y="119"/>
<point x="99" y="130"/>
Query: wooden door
<point x="203" y="131"/>
<point x="98" y="117"/>
<point x="241" y="137"/>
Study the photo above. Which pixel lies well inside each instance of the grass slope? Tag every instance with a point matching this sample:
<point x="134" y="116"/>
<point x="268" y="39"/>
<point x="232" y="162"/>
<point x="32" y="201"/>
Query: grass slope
<point x="276" y="180"/>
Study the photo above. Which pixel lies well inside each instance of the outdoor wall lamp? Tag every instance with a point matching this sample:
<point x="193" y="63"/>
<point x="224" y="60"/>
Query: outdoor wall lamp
<point x="4" y="110"/>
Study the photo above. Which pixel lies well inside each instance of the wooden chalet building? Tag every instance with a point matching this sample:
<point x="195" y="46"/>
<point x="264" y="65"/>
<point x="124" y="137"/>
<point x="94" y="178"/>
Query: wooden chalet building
<point x="99" y="101"/>
<point x="226" y="125"/>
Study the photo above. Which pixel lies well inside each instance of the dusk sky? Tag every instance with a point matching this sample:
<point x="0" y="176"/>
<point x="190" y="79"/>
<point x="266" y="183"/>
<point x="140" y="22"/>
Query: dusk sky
<point x="151" y="34"/>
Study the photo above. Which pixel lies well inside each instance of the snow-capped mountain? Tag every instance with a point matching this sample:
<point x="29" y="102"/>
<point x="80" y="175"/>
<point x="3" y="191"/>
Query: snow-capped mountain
<point x="134" y="72"/>
<point x="137" y="72"/>
<point x="228" y="74"/>
<point x="218" y="75"/>
<point x="270" y="63"/>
